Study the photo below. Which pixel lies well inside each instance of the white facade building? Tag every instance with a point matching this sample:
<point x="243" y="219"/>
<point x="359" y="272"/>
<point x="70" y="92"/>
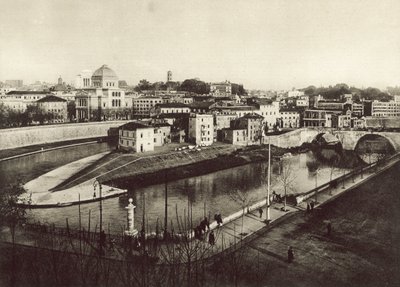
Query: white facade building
<point x="201" y="129"/>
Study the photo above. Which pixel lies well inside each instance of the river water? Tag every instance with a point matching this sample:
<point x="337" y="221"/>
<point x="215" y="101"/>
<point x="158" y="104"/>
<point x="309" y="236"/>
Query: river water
<point x="222" y="191"/>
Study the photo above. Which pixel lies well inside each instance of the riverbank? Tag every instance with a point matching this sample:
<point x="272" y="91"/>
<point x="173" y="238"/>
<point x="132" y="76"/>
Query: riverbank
<point x="136" y="170"/>
<point x="238" y="157"/>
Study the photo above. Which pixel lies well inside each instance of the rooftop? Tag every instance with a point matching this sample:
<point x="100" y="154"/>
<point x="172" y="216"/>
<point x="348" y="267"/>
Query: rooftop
<point x="28" y="93"/>
<point x="104" y="71"/>
<point x="173" y="105"/>
<point x="132" y="126"/>
<point x="51" y="98"/>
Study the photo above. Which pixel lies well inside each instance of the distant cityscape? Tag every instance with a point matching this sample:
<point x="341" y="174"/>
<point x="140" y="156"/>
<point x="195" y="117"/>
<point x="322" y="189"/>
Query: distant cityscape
<point x="193" y="111"/>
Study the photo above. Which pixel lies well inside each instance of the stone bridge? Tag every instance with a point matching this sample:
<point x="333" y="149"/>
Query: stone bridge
<point x="349" y="139"/>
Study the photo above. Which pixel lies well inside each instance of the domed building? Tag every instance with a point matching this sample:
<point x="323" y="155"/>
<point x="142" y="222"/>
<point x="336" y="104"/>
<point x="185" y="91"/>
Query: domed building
<point x="104" y="77"/>
<point x="103" y="99"/>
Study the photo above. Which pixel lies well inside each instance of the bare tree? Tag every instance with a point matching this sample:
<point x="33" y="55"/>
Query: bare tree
<point x="243" y="199"/>
<point x="286" y="179"/>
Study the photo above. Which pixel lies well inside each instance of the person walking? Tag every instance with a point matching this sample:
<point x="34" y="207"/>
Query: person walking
<point x="312" y="205"/>
<point x="290" y="254"/>
<point x="260" y="210"/>
<point x="211" y="238"/>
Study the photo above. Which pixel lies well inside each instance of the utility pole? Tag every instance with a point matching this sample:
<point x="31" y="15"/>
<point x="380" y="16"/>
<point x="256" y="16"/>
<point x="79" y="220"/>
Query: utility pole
<point x="268" y="178"/>
<point x="166" y="206"/>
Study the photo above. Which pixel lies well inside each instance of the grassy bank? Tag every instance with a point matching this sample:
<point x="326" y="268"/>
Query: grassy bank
<point x="222" y="161"/>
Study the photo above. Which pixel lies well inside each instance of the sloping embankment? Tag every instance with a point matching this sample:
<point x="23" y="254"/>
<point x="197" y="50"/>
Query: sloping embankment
<point x="169" y="167"/>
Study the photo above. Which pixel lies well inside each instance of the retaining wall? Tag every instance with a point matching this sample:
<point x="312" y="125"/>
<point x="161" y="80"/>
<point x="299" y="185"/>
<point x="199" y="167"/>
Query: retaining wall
<point x="26" y="136"/>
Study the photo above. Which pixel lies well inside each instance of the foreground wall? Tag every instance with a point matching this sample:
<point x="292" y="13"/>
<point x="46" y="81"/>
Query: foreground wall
<point x="19" y="137"/>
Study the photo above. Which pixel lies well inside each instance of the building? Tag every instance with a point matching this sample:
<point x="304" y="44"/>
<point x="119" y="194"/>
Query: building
<point x="235" y="136"/>
<point x="289" y="118"/>
<point x="295" y="94"/>
<point x="170" y="108"/>
<point x="269" y="110"/>
<point x="201" y="107"/>
<point x="221" y="89"/>
<point x="319" y="118"/>
<point x="329" y="105"/>
<point x="84" y="79"/>
<point x="303" y="102"/>
<point x="201" y="129"/>
<point x="55" y="106"/>
<point x="136" y="137"/>
<point x="222" y="121"/>
<point x="162" y="134"/>
<point x="19" y="100"/>
<point x="246" y="130"/>
<point x="342" y="120"/>
<point x="169" y="76"/>
<point x="143" y="105"/>
<point x="238" y="110"/>
<point x="103" y="100"/>
<point x="358" y="109"/>
<point x="386" y="109"/>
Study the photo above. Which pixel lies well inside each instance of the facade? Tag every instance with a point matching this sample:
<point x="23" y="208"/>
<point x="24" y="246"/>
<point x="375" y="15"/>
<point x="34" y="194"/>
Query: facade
<point x="295" y="94"/>
<point x="222" y="121"/>
<point x="246" y="130"/>
<point x="162" y="134"/>
<point x="318" y="118"/>
<point x="221" y="89"/>
<point x="329" y="105"/>
<point x="103" y="100"/>
<point x="358" y="109"/>
<point x="342" y="121"/>
<point x="136" y="137"/>
<point x="201" y="129"/>
<point x="386" y="109"/>
<point x="101" y="104"/>
<point x="238" y="110"/>
<point x="56" y="106"/>
<point x="169" y="76"/>
<point x="303" y="102"/>
<point x="269" y="110"/>
<point x="171" y="108"/>
<point x="289" y="118"/>
<point x="143" y="105"/>
<point x="19" y="100"/>
<point x="84" y="79"/>
<point x="235" y="136"/>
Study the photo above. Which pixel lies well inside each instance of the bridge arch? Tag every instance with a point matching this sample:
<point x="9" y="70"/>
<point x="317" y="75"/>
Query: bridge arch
<point x="372" y="137"/>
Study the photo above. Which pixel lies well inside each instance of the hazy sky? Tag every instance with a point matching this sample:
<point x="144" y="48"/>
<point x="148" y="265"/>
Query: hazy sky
<point x="262" y="44"/>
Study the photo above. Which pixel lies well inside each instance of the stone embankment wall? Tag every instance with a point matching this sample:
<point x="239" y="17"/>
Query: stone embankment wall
<point x="26" y="136"/>
<point x="292" y="139"/>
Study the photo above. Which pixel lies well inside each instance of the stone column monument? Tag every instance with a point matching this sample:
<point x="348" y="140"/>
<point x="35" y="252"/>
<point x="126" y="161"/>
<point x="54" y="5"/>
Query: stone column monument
<point x="131" y="231"/>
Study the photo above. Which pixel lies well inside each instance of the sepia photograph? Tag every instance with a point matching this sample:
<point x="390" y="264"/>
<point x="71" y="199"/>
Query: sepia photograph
<point x="189" y="143"/>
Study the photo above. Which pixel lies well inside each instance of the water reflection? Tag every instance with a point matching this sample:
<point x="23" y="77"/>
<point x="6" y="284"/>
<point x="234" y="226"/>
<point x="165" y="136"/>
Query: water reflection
<point x="206" y="194"/>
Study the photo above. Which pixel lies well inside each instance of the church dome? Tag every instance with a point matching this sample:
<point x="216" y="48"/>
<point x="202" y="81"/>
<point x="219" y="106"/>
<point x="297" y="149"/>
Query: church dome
<point x="104" y="71"/>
